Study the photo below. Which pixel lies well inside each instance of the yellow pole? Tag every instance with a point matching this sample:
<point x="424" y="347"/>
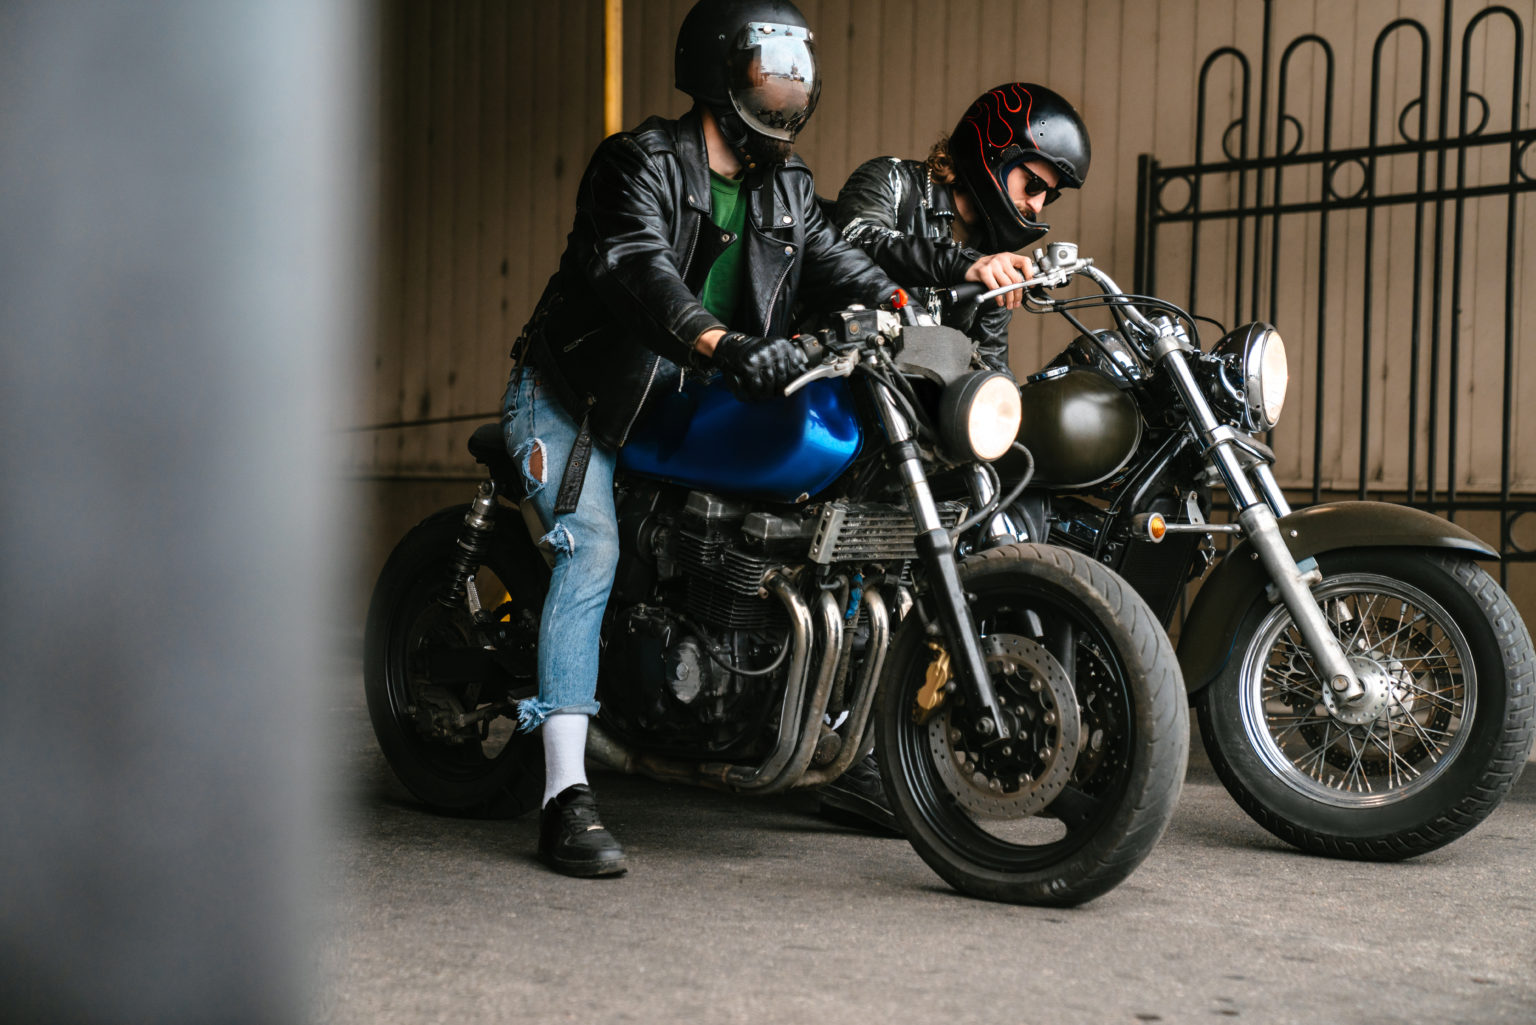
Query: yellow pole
<point x="613" y="67"/>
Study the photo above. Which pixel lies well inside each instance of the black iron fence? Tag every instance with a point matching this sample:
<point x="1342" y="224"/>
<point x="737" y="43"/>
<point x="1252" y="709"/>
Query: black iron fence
<point x="1279" y="162"/>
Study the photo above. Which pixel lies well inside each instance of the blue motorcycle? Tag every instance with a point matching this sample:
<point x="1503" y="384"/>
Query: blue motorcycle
<point x="802" y="581"/>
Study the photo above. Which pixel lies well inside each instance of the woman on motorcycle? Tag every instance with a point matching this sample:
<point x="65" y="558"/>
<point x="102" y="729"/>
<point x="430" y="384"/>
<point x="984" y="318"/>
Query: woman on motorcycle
<point x="930" y="224"/>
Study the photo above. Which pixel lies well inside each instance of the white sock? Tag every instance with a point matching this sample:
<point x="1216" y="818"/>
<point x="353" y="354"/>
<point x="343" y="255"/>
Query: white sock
<point x="565" y="752"/>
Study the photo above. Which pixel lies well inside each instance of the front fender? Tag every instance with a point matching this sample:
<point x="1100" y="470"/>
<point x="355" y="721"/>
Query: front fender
<point x="1205" y="643"/>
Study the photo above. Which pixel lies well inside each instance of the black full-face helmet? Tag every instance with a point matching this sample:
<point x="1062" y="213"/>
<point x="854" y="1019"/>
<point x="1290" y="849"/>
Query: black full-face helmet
<point x="1008" y="126"/>
<point x="753" y="64"/>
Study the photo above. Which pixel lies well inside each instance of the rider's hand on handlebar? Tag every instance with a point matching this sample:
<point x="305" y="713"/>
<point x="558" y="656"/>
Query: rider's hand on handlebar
<point x="1000" y="270"/>
<point x="758" y="368"/>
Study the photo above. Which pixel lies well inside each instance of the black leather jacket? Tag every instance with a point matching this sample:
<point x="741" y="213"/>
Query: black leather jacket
<point x="619" y="318"/>
<point x="895" y="212"/>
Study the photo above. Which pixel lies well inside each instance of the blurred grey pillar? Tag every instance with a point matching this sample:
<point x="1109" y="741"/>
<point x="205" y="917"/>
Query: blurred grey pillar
<point x="179" y="272"/>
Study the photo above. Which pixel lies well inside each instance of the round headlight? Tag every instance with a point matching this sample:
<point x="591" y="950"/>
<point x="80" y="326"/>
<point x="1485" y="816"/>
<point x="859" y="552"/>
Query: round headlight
<point x="980" y="414"/>
<point x="1247" y="375"/>
<point x="1268" y="375"/>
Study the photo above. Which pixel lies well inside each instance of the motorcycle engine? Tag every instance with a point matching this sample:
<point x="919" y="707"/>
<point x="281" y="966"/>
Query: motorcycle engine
<point x="688" y="609"/>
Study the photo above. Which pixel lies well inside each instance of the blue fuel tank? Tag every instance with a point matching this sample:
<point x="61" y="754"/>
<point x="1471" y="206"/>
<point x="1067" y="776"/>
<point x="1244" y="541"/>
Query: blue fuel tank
<point x="782" y="450"/>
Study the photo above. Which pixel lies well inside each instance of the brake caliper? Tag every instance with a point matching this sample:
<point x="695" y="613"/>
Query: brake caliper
<point x="931" y="694"/>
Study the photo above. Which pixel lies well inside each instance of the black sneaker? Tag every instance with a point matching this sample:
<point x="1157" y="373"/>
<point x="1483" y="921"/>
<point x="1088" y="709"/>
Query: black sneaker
<point x="857" y="798"/>
<point x="573" y="841"/>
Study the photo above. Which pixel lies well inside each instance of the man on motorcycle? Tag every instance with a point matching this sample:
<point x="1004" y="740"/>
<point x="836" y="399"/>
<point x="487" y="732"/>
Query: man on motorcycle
<point x="957" y="217"/>
<point x="692" y="242"/>
<point x="929" y="223"/>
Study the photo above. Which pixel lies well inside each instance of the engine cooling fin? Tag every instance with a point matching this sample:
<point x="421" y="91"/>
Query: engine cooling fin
<point x="871" y="532"/>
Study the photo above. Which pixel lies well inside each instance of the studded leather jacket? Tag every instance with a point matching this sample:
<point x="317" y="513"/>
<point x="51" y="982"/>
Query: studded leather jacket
<point x="617" y="322"/>
<point x="895" y="212"/>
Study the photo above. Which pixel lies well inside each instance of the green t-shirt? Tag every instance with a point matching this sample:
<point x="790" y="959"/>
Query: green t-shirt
<point x="728" y="210"/>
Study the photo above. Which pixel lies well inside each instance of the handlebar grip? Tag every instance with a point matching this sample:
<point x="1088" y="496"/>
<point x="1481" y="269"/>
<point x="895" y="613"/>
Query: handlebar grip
<point x="965" y="293"/>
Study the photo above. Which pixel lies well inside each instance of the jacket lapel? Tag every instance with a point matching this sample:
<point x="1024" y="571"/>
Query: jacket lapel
<point x="694" y="158"/>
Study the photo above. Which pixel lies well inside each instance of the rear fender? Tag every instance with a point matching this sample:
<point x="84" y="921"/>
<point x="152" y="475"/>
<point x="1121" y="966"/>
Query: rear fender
<point x="1205" y="643"/>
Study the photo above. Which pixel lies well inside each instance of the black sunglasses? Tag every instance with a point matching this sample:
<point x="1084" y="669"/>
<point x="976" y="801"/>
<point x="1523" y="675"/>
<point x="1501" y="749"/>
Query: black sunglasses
<point x="1034" y="185"/>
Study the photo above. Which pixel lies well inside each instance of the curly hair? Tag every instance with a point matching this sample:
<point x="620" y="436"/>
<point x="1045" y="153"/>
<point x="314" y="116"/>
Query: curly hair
<point x="941" y="167"/>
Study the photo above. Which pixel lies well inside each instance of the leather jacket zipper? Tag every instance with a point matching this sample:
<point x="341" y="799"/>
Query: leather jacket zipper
<point x="656" y="360"/>
<point x="774" y="298"/>
<point x="698" y="229"/>
<point x="571" y="345"/>
<point x="650" y="380"/>
<point x="698" y="226"/>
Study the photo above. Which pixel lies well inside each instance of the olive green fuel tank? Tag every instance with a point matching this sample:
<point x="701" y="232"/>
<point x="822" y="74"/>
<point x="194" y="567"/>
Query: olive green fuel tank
<point x="1078" y="425"/>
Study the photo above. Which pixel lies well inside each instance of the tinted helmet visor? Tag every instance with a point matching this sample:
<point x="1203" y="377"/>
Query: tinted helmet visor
<point x="773" y="80"/>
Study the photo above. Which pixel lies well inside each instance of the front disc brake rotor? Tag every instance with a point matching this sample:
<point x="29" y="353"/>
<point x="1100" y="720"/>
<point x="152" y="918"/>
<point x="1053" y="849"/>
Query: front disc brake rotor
<point x="1019" y="776"/>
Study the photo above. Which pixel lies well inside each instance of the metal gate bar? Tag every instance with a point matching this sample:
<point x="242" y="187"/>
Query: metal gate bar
<point x="1279" y="149"/>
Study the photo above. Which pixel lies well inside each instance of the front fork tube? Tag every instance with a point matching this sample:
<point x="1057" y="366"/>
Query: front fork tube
<point x="1263" y="532"/>
<point x="933" y="546"/>
<point x="1271" y="489"/>
<point x="936" y="549"/>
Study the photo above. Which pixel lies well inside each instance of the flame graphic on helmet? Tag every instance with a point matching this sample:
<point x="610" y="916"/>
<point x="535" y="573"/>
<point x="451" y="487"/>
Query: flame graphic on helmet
<point x="981" y="108"/>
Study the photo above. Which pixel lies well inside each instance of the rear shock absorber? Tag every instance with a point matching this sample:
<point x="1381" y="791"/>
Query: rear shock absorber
<point x="474" y="541"/>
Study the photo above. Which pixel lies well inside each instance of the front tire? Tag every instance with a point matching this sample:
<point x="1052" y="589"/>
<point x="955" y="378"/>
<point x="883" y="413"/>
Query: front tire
<point x="429" y="666"/>
<point x="1442" y="735"/>
<point x="1091" y="684"/>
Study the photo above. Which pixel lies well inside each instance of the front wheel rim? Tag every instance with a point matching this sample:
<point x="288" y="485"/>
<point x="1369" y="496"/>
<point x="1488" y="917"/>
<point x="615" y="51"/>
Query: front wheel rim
<point x="1405" y="645"/>
<point x="1089" y="798"/>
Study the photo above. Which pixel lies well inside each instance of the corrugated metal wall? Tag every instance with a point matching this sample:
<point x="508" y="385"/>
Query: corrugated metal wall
<point x="490" y="110"/>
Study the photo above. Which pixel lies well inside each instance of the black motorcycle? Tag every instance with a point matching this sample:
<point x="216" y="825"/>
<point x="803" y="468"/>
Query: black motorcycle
<point x="789" y="597"/>
<point x="1364" y="689"/>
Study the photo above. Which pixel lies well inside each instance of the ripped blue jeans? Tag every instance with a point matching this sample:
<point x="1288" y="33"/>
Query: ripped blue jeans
<point x="540" y="434"/>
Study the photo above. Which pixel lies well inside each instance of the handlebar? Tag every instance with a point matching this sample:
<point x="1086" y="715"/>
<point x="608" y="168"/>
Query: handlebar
<point x="831" y="355"/>
<point x="968" y="292"/>
<point x="1054" y="266"/>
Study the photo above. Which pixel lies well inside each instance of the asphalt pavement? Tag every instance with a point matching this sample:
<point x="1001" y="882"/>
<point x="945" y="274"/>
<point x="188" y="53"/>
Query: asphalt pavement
<point x="748" y="910"/>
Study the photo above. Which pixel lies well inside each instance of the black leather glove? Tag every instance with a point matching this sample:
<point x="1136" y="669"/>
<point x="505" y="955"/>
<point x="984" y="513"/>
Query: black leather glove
<point x="758" y="368"/>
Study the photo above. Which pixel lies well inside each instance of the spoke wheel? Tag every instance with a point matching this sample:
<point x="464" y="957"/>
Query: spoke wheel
<point x="1420" y="695"/>
<point x="1436" y="741"/>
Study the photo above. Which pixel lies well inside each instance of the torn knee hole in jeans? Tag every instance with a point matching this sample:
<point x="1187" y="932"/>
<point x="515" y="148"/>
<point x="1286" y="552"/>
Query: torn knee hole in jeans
<point x="530" y="456"/>
<point x="560" y="540"/>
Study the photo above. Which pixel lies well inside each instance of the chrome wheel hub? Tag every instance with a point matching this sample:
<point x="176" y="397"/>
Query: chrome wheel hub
<point x="1380" y="690"/>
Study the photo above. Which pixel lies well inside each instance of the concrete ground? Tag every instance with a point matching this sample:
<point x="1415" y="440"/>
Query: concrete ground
<point x="743" y="910"/>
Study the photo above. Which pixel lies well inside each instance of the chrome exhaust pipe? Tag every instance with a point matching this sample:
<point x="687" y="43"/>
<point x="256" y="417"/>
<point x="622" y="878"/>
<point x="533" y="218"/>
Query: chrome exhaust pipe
<point x="854" y="730"/>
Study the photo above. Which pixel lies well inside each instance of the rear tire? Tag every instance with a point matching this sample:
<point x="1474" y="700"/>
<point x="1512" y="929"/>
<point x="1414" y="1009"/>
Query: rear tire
<point x="489" y="770"/>
<point x="1074" y="811"/>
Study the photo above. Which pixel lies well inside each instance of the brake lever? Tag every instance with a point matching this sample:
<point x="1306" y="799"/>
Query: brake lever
<point x="1062" y="262"/>
<point x="840" y="366"/>
<point x="1050" y="279"/>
